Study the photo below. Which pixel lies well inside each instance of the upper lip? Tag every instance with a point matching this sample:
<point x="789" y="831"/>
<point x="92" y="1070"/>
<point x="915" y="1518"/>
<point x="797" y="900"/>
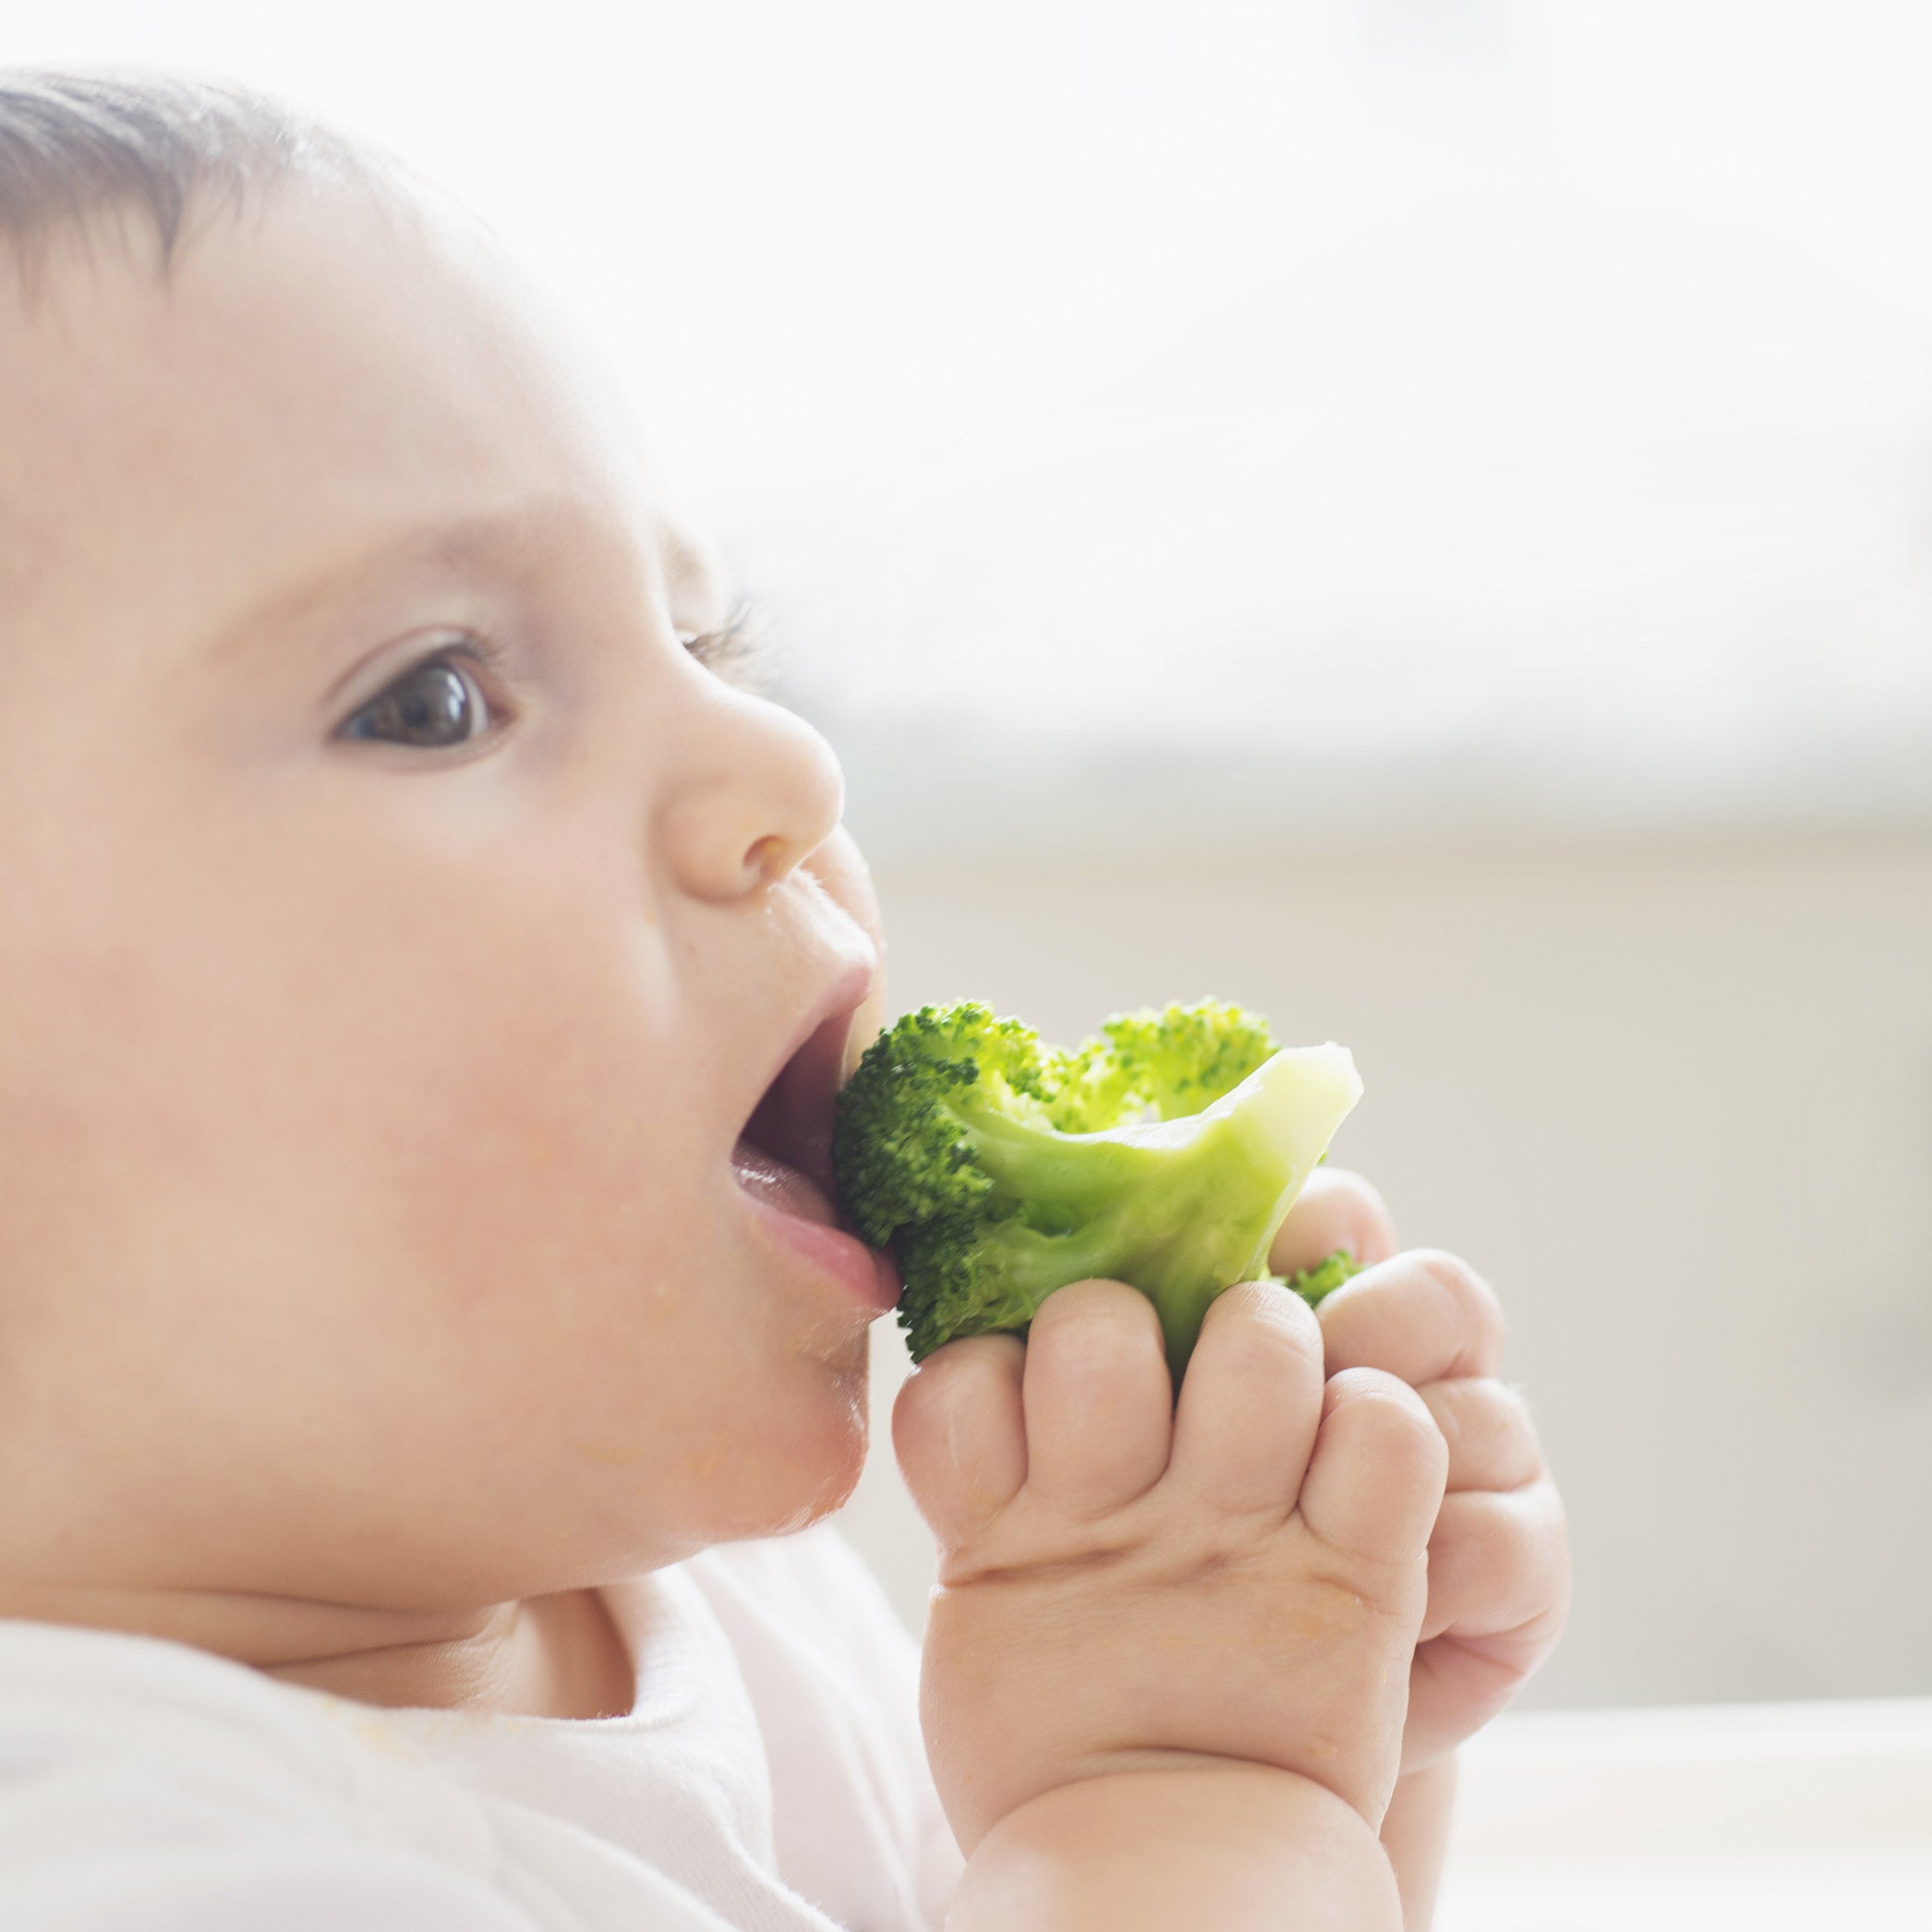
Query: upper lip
<point x="792" y="1118"/>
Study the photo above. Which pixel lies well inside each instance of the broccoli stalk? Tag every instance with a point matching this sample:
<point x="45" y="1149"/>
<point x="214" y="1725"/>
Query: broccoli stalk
<point x="999" y="1170"/>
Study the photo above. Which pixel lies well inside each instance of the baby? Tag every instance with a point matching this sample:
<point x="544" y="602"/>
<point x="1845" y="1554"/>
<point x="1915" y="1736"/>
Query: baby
<point x="425" y="1338"/>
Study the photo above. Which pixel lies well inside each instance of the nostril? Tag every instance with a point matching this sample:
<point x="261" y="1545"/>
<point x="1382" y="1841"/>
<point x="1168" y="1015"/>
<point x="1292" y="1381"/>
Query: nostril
<point x="766" y="858"/>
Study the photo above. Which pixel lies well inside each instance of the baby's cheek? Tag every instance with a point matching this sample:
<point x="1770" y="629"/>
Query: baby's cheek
<point x="528" y="1099"/>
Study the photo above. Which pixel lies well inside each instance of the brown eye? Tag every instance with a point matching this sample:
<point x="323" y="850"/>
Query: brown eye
<point x="432" y="705"/>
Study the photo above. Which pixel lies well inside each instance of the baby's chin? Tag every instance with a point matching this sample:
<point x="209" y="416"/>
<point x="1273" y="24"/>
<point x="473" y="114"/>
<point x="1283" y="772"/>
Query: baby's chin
<point x="795" y="1464"/>
<point x="837" y="1468"/>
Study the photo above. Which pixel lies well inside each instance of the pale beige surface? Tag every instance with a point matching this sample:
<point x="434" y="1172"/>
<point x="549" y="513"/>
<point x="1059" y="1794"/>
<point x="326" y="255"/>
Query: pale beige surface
<point x="1676" y="1102"/>
<point x="1760" y="1815"/>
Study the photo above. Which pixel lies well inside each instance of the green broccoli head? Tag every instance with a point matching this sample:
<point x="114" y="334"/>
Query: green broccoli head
<point x="1165" y="1153"/>
<point x="1157" y="1063"/>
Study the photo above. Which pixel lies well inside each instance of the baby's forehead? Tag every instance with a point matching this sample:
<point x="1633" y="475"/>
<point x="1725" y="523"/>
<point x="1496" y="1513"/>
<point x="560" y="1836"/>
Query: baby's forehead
<point x="327" y="365"/>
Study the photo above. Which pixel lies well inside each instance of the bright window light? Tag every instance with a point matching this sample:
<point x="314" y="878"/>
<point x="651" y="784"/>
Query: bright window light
<point x="1473" y="408"/>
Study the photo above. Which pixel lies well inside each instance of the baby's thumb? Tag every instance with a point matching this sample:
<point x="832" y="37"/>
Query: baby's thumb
<point x="959" y="1432"/>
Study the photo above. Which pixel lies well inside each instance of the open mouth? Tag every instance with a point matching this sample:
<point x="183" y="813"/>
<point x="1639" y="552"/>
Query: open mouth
<point x="784" y="1152"/>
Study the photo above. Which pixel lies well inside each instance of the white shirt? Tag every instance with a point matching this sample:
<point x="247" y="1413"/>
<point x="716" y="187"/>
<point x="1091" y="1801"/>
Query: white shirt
<point x="770" y="1778"/>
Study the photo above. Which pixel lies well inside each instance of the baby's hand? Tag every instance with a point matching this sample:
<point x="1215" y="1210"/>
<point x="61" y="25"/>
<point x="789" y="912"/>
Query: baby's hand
<point x="1499" y="1564"/>
<point x="1126" y="1583"/>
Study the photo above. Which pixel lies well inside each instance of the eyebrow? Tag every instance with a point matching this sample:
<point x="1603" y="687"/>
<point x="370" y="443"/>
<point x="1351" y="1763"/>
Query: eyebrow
<point x="512" y="538"/>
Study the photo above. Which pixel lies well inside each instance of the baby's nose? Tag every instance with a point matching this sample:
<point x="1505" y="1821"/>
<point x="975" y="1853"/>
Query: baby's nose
<point x="759" y="791"/>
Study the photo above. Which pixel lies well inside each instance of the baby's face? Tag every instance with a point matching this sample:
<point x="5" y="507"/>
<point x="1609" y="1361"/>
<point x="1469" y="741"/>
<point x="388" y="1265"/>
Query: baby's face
<point x="400" y="927"/>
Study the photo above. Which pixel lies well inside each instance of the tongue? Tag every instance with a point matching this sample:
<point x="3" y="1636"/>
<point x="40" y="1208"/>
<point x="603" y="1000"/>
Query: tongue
<point x="781" y="1184"/>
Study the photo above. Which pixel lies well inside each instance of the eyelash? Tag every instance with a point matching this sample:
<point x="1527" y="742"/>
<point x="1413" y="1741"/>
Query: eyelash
<point x="737" y="651"/>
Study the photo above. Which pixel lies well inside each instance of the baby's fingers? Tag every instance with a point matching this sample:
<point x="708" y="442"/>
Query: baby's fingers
<point x="1374" y="1482"/>
<point x="1499" y="1592"/>
<point x="1099" y="1404"/>
<point x="958" y="1432"/>
<point x="1250" y="1401"/>
<point x="1423" y="1315"/>
<point x="1499" y="1573"/>
<point x="1492" y="1443"/>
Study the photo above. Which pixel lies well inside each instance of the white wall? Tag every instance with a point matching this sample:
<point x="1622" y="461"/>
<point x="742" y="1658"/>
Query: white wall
<point x="1676" y="1101"/>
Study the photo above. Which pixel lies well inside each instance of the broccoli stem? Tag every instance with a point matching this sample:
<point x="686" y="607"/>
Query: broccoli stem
<point x="1179" y="1209"/>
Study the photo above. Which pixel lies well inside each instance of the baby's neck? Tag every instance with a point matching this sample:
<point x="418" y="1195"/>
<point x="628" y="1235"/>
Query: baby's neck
<point x="548" y="1657"/>
<point x="559" y="1656"/>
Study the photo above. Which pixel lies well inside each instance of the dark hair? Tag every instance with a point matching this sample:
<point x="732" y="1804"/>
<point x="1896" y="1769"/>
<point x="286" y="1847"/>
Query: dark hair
<point x="78" y="143"/>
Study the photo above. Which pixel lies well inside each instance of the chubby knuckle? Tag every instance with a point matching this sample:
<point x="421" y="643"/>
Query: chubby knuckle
<point x="1475" y="1554"/>
<point x="1387" y="1400"/>
<point x="1507" y="1540"/>
<point x="1482" y="1413"/>
<point x="1513" y="1422"/>
<point x="1474" y="1525"/>
<point x="1478" y="1312"/>
<point x="1507" y="1405"/>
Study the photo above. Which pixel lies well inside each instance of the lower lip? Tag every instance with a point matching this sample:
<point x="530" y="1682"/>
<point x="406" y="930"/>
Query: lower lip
<point x="866" y="1273"/>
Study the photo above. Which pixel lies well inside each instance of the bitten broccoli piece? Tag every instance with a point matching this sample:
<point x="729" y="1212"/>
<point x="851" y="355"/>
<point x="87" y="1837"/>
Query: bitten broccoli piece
<point x="1164" y="1152"/>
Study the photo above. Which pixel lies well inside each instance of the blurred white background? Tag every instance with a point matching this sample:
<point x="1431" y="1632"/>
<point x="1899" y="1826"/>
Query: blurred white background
<point x="1415" y="516"/>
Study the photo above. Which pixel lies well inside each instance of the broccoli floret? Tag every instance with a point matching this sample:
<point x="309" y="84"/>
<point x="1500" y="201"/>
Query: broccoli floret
<point x="1314" y="1284"/>
<point x="1164" y="1152"/>
<point x="1163" y="1064"/>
